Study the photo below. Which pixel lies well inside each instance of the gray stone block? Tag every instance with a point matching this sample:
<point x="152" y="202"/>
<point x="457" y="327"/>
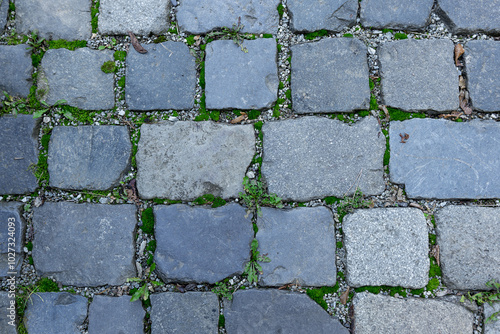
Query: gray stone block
<point x="110" y="315"/>
<point x="10" y="212"/>
<point x="241" y="80"/>
<point x="329" y="158"/>
<point x="446" y="160"/>
<point x="464" y="17"/>
<point x="396" y="14"/>
<point x="15" y="69"/>
<point x="419" y="75"/>
<point x="88" y="157"/>
<point x="333" y="15"/>
<point x="469" y="246"/>
<point x="4" y="15"/>
<point x="204" y="158"/>
<point x="492" y="327"/>
<point x="85" y="244"/>
<point x="8" y="314"/>
<point x="163" y="78"/>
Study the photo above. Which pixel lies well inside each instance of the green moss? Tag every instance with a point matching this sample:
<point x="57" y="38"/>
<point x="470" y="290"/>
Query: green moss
<point x="84" y="116"/>
<point x="120" y="55"/>
<point x="348" y="35"/>
<point x="331" y="200"/>
<point x="94" y="10"/>
<point x="387" y="154"/>
<point x="64" y="44"/>
<point x="202" y="75"/>
<point x="210" y="199"/>
<point x="318" y="294"/>
<point x="373" y="102"/>
<point x="253" y="114"/>
<point x="339" y="244"/>
<point x="433" y="221"/>
<point x="363" y="113"/>
<point x="373" y="289"/>
<point x="29" y="245"/>
<point x="399" y="115"/>
<point x="267" y="36"/>
<point x="313" y="35"/>
<point x="279" y="47"/>
<point x="190" y="40"/>
<point x="161" y="39"/>
<point x="108" y="67"/>
<point x="432" y="239"/>
<point x="281" y="85"/>
<point x="397" y="289"/>
<point x="385" y="31"/>
<point x="148" y="220"/>
<point x="417" y="292"/>
<point x="432" y="285"/>
<point x="371" y="83"/>
<point x="459" y="120"/>
<point x="215" y="115"/>
<point x="258" y="125"/>
<point x="281" y="10"/>
<point x="434" y="269"/>
<point x="150" y="260"/>
<point x="222" y="321"/>
<point x="121" y="82"/>
<point x="47" y="285"/>
<point x="288" y="94"/>
<point x="400" y="35"/>
<point x="151" y="246"/>
<point x="30" y="260"/>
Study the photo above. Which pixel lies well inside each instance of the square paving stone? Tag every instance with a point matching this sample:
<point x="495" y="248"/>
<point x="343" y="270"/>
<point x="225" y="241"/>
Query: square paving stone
<point x="396" y="14"/>
<point x="330" y="76"/>
<point x="12" y="229"/>
<point x="312" y="15"/>
<point x="4" y="14"/>
<point x="241" y="80"/>
<point x="85" y="244"/>
<point x="163" y="78"/>
<point x="8" y="314"/>
<point x="419" y="75"/>
<point x="492" y="327"/>
<point x="467" y="17"/>
<point x="15" y="69"/>
<point x="111" y="315"/>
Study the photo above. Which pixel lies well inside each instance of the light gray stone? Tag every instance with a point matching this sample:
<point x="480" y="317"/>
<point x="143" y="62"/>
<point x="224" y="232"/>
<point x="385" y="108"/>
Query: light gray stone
<point x="8" y="314"/>
<point x="12" y="229"/>
<point x="396" y="14"/>
<point x="4" y="14"/>
<point x="111" y="315"/>
<point x="15" y="69"/>
<point x="313" y="157"/>
<point x="492" y="327"/>
<point x="333" y="15"/>
<point x="466" y="17"/>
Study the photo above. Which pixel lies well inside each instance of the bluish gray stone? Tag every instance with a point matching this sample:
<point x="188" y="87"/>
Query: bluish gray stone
<point x="85" y="244"/>
<point x="163" y="78"/>
<point x="396" y="14"/>
<point x="466" y="17"/>
<point x="241" y="80"/>
<point x="111" y="315"/>
<point x="4" y="14"/>
<point x="330" y="76"/>
<point x="492" y="327"/>
<point x="88" y="157"/>
<point x="314" y="157"/>
<point x="12" y="229"/>
<point x="15" y="69"/>
<point x="333" y="15"/>
<point x="446" y="160"/>
<point x="8" y="314"/>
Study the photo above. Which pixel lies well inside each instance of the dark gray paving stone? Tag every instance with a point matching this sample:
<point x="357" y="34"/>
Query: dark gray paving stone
<point x="190" y="312"/>
<point x="464" y="17"/>
<point x="276" y="311"/>
<point x="85" y="244"/>
<point x="446" y="160"/>
<point x="8" y="314"/>
<point x="419" y="75"/>
<point x="333" y="15"/>
<point x="163" y="78"/>
<point x="306" y="259"/>
<point x="238" y="80"/>
<point x="18" y="151"/>
<point x="4" y="14"/>
<point x="111" y="315"/>
<point x="329" y="158"/>
<point x="330" y="76"/>
<point x="386" y="246"/>
<point x="88" y="157"/>
<point x="205" y="158"/>
<point x="396" y="14"/>
<point x="492" y="327"/>
<point x="12" y="229"/>
<point x="15" y="69"/>
<point x="469" y="246"/>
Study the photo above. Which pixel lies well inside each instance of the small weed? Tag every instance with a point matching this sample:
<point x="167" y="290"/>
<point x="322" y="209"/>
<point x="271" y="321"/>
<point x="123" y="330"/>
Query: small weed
<point x="109" y="46"/>
<point x="255" y="196"/>
<point x="13" y="105"/>
<point x="253" y="269"/>
<point x="47" y="107"/>
<point x="348" y="204"/>
<point x="221" y="289"/>
<point x="486" y="297"/>
<point x="233" y="33"/>
<point x="190" y="40"/>
<point x="143" y="291"/>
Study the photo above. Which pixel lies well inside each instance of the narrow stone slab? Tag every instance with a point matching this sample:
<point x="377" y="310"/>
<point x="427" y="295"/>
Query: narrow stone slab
<point x="329" y="157"/>
<point x="463" y="18"/>
<point x="492" y="327"/>
<point x="241" y="80"/>
<point x="12" y="229"/>
<point x="387" y="247"/>
<point x="395" y="14"/>
<point x="276" y="311"/>
<point x="85" y="244"/>
<point x="163" y="78"/>
<point x="446" y="160"/>
<point x="8" y="314"/>
<point x="88" y="157"/>
<point x="4" y="14"/>
<point x="306" y="259"/>
<point x="333" y="15"/>
<point x="204" y="158"/>
<point x="419" y="75"/>
<point x="16" y="69"/>
<point x="109" y="315"/>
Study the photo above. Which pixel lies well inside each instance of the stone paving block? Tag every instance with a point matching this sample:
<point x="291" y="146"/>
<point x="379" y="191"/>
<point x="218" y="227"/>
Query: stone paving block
<point x="202" y="16"/>
<point x="55" y="19"/>
<point x="446" y="160"/>
<point x="384" y="314"/>
<point x="4" y="14"/>
<point x="313" y="157"/>
<point x="330" y="76"/>
<point x="163" y="78"/>
<point x="469" y="246"/>
<point x="76" y="76"/>
<point x="492" y="327"/>
<point x="204" y="158"/>
<point x="7" y="313"/>
<point x="419" y="75"/>
<point x="466" y="17"/>
<point x="10" y="212"/>
<point x="396" y="14"/>
<point x="333" y="15"/>
<point x="238" y="80"/>
<point x="387" y="246"/>
<point x="85" y="244"/>
<point x="275" y="311"/>
<point x="15" y="69"/>
<point x="219" y="242"/>
<point x="190" y="312"/>
<point x="18" y="151"/>
<point x="482" y="60"/>
<point x="110" y="315"/>
<point x="88" y="157"/>
<point x="300" y="244"/>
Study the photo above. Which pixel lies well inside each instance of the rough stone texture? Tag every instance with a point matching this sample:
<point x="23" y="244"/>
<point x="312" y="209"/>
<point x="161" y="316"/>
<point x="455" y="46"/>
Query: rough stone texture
<point x="238" y="80"/>
<point x="163" y="78"/>
<point x="110" y="315"/>
<point x="15" y="69"/>
<point x="85" y="244"/>
<point x="7" y="313"/>
<point x="18" y="150"/>
<point x="275" y="311"/>
<point x="466" y="17"/>
<point x="333" y="15"/>
<point x="313" y="157"/>
<point x="469" y="246"/>
<point x="387" y="246"/>
<point x="88" y="157"/>
<point x="10" y="212"/>
<point x="396" y="14"/>
<point x="492" y="327"/>
<point x="306" y="259"/>
<point x="419" y="75"/>
<point x="202" y="16"/>
<point x="76" y="77"/>
<point x="446" y="160"/>
<point x="4" y="14"/>
<point x="204" y="158"/>
<point x="384" y="314"/>
<point x="190" y="312"/>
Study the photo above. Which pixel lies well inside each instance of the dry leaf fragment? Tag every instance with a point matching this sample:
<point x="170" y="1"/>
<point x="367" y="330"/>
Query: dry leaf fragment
<point x="344" y="296"/>
<point x="386" y="112"/>
<point x="463" y="104"/>
<point x="435" y="253"/>
<point x="416" y="205"/>
<point x="136" y="44"/>
<point x="404" y="137"/>
<point x="242" y="117"/>
<point x="459" y="51"/>
<point x="461" y="82"/>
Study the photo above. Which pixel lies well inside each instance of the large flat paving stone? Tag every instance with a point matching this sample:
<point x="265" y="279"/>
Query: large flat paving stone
<point x="313" y="157"/>
<point x="333" y="15"/>
<point x="465" y="17"/>
<point x="396" y="14"/>
<point x="15" y="69"/>
<point x="276" y="311"/>
<point x="109" y="315"/>
<point x="387" y="246"/>
<point x="469" y="246"/>
<point x="8" y="314"/>
<point x="297" y="256"/>
<point x="85" y="244"/>
<point x="163" y="78"/>
<point x="4" y="14"/>
<point x="492" y="327"/>
<point x="88" y="157"/>
<point x="241" y="80"/>
<point x="204" y="158"/>
<point x="446" y="160"/>
<point x="12" y="229"/>
<point x="419" y="75"/>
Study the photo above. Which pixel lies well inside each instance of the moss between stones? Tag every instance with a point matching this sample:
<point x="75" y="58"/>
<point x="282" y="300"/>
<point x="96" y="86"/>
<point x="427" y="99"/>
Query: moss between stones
<point x="318" y="294"/>
<point x="120" y="55"/>
<point x="94" y="10"/>
<point x="399" y="115"/>
<point x="148" y="221"/>
<point x="281" y="10"/>
<point x="210" y="199"/>
<point x="313" y="35"/>
<point x="61" y="43"/>
<point x="108" y="67"/>
<point x="387" y="153"/>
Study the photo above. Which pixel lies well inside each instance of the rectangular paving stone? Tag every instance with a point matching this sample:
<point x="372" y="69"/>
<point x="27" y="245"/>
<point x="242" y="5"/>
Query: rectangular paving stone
<point x="315" y="157"/>
<point x="4" y="14"/>
<point x="15" y="69"/>
<point x="332" y="15"/>
<point x="8" y="314"/>
<point x="446" y="160"/>
<point x="12" y="229"/>
<point x="396" y="14"/>
<point x="466" y="17"/>
<point x="110" y="315"/>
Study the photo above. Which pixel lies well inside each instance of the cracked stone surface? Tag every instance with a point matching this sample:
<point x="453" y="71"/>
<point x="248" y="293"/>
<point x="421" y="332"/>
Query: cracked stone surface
<point x="464" y="17"/>
<point x="7" y="313"/>
<point x="109" y="315"/>
<point x="333" y="15"/>
<point x="396" y="14"/>
<point x="11" y="222"/>
<point x="15" y="69"/>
